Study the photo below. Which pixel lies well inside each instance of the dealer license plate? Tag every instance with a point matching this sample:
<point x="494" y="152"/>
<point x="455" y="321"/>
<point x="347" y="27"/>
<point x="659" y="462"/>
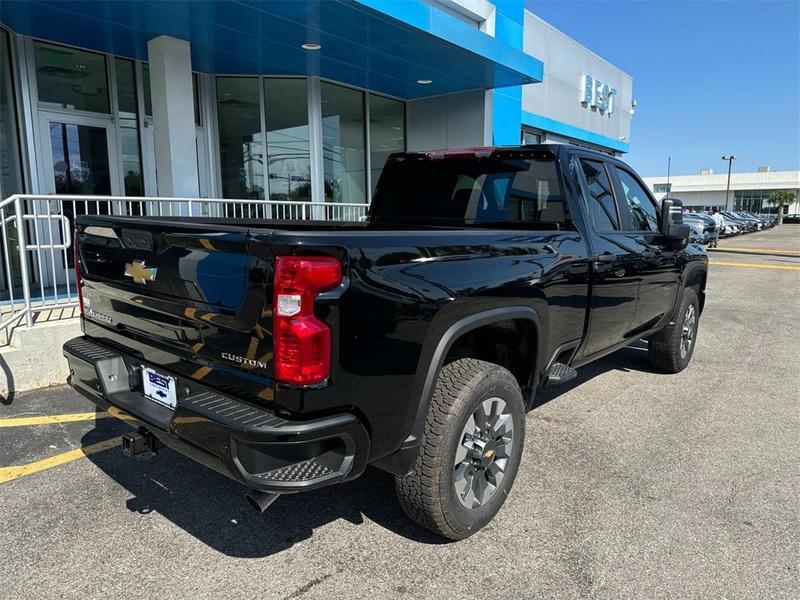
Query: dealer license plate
<point x="159" y="388"/>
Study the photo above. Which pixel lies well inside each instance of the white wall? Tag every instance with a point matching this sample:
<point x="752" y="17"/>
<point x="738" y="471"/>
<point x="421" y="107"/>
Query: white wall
<point x="449" y="121"/>
<point x="770" y="180"/>
<point x="699" y="198"/>
<point x="691" y="199"/>
<point x="709" y="190"/>
<point x="173" y="118"/>
<point x="566" y="62"/>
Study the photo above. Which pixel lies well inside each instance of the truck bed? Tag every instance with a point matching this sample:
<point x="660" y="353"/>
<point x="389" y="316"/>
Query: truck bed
<point x="207" y="314"/>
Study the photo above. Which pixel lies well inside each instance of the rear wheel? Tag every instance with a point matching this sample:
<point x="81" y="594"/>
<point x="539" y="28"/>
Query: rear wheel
<point x="672" y="349"/>
<point x="469" y="452"/>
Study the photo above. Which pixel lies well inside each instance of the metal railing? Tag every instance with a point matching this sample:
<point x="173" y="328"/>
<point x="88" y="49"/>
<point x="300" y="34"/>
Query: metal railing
<point x="36" y="233"/>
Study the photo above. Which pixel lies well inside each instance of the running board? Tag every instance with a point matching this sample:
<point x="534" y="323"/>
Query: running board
<point x="559" y="373"/>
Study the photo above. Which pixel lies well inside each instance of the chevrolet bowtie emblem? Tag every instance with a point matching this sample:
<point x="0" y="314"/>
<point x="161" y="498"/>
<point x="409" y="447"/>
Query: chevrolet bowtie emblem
<point x="139" y="272"/>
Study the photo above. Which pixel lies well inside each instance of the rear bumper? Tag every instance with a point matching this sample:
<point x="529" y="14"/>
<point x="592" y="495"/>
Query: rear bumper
<point x="245" y="442"/>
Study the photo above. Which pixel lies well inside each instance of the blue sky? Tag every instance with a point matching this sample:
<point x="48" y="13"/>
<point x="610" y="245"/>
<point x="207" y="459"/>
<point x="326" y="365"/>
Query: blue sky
<point x="711" y="77"/>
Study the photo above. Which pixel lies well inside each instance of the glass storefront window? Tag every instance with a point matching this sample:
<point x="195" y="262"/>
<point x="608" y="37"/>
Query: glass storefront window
<point x="71" y="78"/>
<point x="129" y="127"/>
<point x="131" y="158"/>
<point x="10" y="158"/>
<point x="196" y="100"/>
<point x="126" y="86"/>
<point x="529" y="137"/>
<point x="241" y="144"/>
<point x="387" y="132"/>
<point x="343" y="142"/>
<point x="755" y="201"/>
<point x="289" y="161"/>
<point x="148" y="99"/>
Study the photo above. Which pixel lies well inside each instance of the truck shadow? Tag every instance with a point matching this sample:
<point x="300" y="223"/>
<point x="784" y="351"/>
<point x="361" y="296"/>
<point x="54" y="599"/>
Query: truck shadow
<point x="213" y="508"/>
<point x="630" y="358"/>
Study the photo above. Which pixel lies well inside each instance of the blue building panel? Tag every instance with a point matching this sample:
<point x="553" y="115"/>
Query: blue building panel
<point x="383" y="45"/>
<point x="507" y="112"/>
<point x="386" y="46"/>
<point x="570" y="131"/>
<point x="507" y="103"/>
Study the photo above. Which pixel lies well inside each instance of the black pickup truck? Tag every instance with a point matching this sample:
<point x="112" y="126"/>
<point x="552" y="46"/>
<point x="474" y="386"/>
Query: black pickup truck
<point x="291" y="355"/>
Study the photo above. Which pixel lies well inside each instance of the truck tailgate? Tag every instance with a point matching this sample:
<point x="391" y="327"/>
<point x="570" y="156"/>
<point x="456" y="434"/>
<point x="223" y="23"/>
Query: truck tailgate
<point x="194" y="288"/>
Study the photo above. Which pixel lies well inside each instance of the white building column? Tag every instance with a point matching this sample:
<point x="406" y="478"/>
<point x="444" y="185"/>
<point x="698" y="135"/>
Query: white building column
<point x="173" y="117"/>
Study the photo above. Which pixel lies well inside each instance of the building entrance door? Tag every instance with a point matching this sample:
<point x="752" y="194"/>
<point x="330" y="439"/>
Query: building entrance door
<point x="79" y="157"/>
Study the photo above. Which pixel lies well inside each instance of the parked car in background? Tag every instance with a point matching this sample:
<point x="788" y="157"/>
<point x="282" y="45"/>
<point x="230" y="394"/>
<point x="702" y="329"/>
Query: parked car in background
<point x="731" y="226"/>
<point x="752" y="223"/>
<point x="758" y="221"/>
<point x="736" y="222"/>
<point x="748" y="223"/>
<point x="701" y="225"/>
<point x="791" y="218"/>
<point x="743" y="224"/>
<point x="696" y="236"/>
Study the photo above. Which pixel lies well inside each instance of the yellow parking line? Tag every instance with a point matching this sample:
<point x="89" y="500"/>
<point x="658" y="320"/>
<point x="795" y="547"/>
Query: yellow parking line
<point x="752" y="265"/>
<point x="11" y="473"/>
<point x="755" y="250"/>
<point x="50" y="419"/>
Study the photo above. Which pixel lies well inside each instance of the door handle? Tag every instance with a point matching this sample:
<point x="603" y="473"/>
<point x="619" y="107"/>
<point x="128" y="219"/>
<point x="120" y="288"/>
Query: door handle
<point x="606" y="257"/>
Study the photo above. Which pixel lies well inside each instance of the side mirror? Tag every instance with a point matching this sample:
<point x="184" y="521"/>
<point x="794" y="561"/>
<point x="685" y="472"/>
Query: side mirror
<point x="672" y="226"/>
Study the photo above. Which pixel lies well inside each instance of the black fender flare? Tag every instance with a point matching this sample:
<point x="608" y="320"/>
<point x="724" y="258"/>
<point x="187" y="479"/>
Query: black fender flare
<point x="692" y="267"/>
<point x="402" y="461"/>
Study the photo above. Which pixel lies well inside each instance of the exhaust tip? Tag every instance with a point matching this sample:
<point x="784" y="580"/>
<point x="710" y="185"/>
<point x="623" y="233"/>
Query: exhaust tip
<point x="261" y="501"/>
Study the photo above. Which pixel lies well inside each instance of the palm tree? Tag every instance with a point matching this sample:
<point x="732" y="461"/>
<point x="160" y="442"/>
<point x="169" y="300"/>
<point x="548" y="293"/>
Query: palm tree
<point x="780" y="198"/>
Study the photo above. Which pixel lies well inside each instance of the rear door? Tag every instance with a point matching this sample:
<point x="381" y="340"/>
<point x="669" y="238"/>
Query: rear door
<point x="660" y="272"/>
<point x="616" y="258"/>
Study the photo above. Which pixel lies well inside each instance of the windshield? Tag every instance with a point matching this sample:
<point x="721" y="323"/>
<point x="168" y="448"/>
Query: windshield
<point x="516" y="188"/>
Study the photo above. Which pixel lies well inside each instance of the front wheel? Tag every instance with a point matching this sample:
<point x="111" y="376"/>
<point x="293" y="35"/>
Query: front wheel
<point x="672" y="349"/>
<point x="469" y="452"/>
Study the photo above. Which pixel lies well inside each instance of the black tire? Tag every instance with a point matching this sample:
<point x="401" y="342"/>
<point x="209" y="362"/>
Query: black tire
<point x="668" y="350"/>
<point x="428" y="494"/>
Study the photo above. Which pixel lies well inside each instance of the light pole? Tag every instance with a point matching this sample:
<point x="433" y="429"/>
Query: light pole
<point x="730" y="158"/>
<point x="669" y="164"/>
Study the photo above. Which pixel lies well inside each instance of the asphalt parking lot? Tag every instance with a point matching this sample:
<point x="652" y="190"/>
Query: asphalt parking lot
<point x="633" y="484"/>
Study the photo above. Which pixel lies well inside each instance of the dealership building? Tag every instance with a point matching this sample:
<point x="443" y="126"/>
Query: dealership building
<point x="282" y="101"/>
<point x="747" y="191"/>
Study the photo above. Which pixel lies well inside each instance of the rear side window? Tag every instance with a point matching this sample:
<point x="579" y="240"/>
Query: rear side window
<point x="644" y="214"/>
<point x="601" y="195"/>
<point x="506" y="188"/>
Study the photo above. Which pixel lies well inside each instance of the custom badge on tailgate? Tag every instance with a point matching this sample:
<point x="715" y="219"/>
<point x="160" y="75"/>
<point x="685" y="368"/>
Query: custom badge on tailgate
<point x="139" y="272"/>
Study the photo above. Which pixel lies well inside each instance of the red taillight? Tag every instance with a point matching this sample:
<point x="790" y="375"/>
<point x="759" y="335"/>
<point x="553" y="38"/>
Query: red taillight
<point x="302" y="343"/>
<point x="76" y="255"/>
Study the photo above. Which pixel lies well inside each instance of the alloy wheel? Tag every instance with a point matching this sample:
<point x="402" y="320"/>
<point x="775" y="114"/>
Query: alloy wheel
<point x="483" y="453"/>
<point x="687" y="330"/>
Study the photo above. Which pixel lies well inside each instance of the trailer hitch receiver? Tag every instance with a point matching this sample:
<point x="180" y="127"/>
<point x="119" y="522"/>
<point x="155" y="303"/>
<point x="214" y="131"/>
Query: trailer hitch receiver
<point x="140" y="444"/>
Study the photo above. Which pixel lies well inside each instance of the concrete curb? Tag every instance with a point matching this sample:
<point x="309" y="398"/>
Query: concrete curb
<point x="34" y="359"/>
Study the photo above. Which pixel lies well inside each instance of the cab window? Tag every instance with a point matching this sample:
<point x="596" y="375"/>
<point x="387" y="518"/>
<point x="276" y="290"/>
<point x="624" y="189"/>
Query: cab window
<point x="601" y="195"/>
<point x="643" y="211"/>
<point x="508" y="188"/>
